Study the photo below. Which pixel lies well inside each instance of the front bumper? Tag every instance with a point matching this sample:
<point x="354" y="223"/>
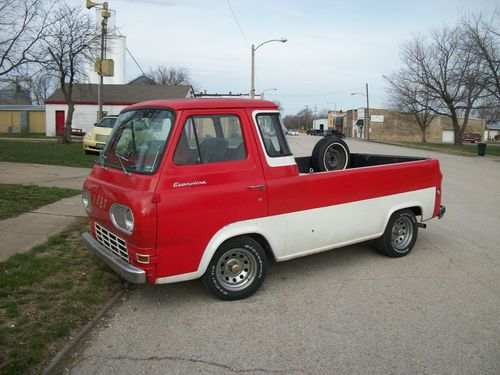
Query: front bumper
<point x="127" y="271"/>
<point x="92" y="145"/>
<point x="442" y="210"/>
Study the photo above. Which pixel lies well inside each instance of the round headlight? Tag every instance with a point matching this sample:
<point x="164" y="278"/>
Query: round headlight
<point x="122" y="217"/>
<point x="87" y="203"/>
<point x="129" y="220"/>
<point x="87" y="136"/>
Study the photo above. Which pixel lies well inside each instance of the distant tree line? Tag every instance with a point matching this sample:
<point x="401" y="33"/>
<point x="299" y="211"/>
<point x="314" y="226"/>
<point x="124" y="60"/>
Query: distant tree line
<point x="454" y="72"/>
<point x="304" y="118"/>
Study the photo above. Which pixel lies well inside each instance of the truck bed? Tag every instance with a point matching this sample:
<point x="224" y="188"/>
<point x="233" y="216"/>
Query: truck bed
<point x="358" y="161"/>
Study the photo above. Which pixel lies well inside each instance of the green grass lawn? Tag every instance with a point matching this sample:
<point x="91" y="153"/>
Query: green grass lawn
<point x="46" y="296"/>
<point x="54" y="153"/>
<point x="468" y="148"/>
<point x="16" y="199"/>
<point x="25" y="135"/>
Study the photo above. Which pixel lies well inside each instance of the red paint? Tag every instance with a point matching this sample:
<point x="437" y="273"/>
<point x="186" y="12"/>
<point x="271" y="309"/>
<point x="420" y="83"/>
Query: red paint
<point x="59" y="122"/>
<point x="174" y="224"/>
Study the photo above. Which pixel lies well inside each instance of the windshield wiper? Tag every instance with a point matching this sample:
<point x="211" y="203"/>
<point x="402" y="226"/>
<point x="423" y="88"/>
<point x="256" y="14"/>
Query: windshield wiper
<point x="120" y="158"/>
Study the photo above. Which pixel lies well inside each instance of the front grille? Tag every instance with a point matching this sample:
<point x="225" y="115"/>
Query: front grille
<point x="111" y="242"/>
<point x="101" y="138"/>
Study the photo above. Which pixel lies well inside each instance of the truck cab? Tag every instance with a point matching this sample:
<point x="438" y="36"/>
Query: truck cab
<point x="208" y="188"/>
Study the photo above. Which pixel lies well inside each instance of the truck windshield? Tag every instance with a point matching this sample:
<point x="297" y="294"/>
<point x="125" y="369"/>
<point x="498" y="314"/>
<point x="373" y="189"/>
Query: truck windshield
<point x="138" y="140"/>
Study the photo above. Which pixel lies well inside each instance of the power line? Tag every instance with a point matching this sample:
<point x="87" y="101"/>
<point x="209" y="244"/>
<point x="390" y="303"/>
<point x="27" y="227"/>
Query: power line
<point x="136" y="63"/>
<point x="322" y="94"/>
<point x="237" y="22"/>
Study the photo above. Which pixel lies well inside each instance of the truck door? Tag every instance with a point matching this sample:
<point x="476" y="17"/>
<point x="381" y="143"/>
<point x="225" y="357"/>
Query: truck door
<point x="212" y="178"/>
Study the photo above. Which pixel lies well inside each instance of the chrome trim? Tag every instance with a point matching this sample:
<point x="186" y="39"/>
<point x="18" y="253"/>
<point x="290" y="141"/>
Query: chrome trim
<point x="127" y="271"/>
<point x="111" y="242"/>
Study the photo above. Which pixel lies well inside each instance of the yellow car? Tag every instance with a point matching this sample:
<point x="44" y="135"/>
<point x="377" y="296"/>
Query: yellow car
<point x="95" y="140"/>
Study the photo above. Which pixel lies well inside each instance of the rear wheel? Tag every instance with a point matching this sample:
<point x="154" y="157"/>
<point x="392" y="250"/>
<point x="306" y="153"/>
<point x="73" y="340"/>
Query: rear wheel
<point x="330" y="154"/>
<point x="237" y="269"/>
<point x="400" y="234"/>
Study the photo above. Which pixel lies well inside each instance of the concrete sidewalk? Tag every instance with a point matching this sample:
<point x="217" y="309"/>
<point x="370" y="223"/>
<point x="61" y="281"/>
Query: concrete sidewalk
<point x="42" y="175"/>
<point x="21" y="233"/>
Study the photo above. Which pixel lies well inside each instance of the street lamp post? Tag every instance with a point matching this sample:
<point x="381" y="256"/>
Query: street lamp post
<point x="263" y="91"/>
<point x="105" y="14"/>
<point x="367" y="109"/>
<point x="252" y="81"/>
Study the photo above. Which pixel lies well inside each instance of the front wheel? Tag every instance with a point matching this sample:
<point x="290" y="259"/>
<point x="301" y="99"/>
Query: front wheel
<point x="237" y="269"/>
<point x="400" y="234"/>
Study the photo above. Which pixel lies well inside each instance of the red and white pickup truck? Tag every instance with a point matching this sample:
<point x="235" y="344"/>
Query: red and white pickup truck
<point x="208" y="188"/>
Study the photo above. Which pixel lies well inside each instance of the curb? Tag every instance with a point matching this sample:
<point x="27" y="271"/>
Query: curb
<point x="84" y="332"/>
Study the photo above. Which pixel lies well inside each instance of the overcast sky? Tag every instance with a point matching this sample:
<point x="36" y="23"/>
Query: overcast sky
<point x="333" y="47"/>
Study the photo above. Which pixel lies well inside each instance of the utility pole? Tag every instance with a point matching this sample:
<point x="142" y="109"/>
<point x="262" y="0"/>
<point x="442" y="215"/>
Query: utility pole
<point x="367" y="112"/>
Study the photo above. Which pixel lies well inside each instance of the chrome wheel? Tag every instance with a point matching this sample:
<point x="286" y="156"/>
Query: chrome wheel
<point x="236" y="269"/>
<point x="402" y="233"/>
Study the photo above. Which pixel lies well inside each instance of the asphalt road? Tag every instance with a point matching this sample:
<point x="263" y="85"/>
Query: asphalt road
<point x="347" y="311"/>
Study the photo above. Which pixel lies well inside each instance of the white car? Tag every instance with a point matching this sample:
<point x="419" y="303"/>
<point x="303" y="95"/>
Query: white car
<point x="293" y="132"/>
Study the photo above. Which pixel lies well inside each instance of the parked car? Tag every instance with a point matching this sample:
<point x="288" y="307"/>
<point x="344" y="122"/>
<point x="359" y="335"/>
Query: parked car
<point x="471" y="137"/>
<point x="293" y="132"/>
<point x="314" y="132"/>
<point x="95" y="140"/>
<point x="336" y="133"/>
<point x="209" y="188"/>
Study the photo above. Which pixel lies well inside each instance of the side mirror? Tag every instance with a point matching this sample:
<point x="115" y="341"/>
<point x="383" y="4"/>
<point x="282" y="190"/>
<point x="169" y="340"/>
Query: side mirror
<point x="95" y="123"/>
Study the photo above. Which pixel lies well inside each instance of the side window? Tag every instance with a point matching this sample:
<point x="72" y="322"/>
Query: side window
<point x="210" y="139"/>
<point x="272" y="135"/>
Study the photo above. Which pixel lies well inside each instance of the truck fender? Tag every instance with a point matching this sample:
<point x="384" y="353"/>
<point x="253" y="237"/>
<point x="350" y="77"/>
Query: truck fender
<point x="402" y="207"/>
<point x="229" y="231"/>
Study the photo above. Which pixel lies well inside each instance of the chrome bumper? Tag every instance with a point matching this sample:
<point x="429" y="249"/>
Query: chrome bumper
<point x="442" y="210"/>
<point x="127" y="271"/>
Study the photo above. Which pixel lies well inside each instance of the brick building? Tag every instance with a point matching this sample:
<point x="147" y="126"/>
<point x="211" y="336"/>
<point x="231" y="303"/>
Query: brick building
<point x="387" y="125"/>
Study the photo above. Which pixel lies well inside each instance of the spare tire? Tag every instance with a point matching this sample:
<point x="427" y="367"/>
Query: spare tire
<point x="330" y="154"/>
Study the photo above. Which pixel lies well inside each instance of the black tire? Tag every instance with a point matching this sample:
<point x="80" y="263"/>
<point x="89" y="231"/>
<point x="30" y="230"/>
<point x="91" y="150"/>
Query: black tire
<point x="237" y="269"/>
<point x="330" y="154"/>
<point x="400" y="234"/>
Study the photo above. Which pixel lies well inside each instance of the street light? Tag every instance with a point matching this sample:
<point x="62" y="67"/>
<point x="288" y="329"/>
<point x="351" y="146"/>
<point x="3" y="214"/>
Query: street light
<point x="105" y="14"/>
<point x="252" y="83"/>
<point x="263" y="91"/>
<point x="367" y="109"/>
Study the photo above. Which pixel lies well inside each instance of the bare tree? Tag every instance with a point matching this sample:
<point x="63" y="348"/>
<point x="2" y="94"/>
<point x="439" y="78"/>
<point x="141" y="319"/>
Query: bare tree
<point x="170" y="76"/>
<point x="70" y="42"/>
<point x="22" y="24"/>
<point x="451" y="74"/>
<point x="482" y="36"/>
<point x="406" y="97"/>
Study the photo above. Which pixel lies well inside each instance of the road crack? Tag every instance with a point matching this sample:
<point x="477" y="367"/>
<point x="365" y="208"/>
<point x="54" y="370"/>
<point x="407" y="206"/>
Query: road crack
<point x="205" y="362"/>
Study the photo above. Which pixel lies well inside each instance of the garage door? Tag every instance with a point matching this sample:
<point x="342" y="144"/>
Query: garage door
<point x="448" y="136"/>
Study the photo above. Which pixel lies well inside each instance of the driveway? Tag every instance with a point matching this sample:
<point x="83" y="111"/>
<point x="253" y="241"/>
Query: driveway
<point x="347" y="311"/>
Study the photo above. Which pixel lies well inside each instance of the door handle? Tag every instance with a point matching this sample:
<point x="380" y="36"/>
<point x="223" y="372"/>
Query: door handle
<point x="256" y="187"/>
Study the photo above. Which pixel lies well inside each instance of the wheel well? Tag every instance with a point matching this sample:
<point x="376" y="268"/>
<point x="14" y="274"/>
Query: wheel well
<point x="416" y="210"/>
<point x="263" y="242"/>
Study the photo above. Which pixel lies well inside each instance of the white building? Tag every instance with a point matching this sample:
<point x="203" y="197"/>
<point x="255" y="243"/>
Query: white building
<point x="320" y="124"/>
<point x="115" y="98"/>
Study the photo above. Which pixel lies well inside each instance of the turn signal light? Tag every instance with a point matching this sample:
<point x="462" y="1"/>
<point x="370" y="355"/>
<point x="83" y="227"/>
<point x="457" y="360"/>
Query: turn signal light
<point x="141" y="258"/>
